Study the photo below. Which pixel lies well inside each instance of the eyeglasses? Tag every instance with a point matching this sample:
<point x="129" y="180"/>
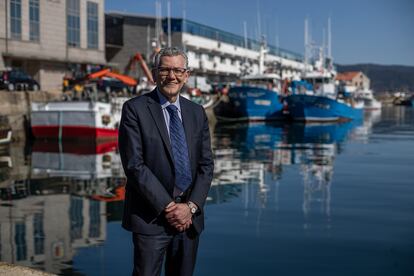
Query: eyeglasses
<point x="165" y="71"/>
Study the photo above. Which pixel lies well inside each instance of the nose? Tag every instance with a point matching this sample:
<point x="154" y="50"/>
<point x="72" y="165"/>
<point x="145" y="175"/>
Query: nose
<point x="171" y="74"/>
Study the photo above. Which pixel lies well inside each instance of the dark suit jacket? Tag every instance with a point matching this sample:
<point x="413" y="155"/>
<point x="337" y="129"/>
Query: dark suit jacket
<point x="147" y="159"/>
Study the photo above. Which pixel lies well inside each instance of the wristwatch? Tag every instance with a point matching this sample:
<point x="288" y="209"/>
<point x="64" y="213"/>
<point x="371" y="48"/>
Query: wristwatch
<point x="193" y="207"/>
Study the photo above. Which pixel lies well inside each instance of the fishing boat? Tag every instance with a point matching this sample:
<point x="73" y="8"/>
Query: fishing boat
<point x="76" y="119"/>
<point x="367" y="96"/>
<point x="322" y="106"/>
<point x="317" y="97"/>
<point x="256" y="98"/>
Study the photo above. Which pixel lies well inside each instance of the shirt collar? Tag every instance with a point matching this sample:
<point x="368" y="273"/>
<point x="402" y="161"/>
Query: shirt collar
<point x="164" y="102"/>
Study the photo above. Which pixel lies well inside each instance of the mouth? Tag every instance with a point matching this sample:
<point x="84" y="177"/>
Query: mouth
<point x="170" y="84"/>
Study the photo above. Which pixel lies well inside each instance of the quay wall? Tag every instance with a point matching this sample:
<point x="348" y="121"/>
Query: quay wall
<point x="16" y="107"/>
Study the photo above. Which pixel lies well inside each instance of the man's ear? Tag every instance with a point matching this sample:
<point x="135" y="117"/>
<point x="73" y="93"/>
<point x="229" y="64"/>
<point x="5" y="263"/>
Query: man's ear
<point x="188" y="75"/>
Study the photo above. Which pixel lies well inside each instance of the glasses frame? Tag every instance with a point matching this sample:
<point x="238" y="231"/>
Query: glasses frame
<point x="177" y="71"/>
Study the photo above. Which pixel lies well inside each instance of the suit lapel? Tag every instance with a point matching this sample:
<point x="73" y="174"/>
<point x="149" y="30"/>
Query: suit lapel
<point x="156" y="113"/>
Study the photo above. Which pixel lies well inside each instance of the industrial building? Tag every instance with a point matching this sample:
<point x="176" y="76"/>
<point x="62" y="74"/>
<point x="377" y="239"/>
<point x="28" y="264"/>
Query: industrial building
<point x="213" y="53"/>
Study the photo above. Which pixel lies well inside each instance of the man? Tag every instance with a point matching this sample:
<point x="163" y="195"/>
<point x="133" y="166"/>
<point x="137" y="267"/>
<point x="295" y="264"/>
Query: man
<point x="164" y="142"/>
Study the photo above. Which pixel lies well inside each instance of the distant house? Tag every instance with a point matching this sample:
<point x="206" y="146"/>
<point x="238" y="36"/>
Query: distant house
<point x="354" y="78"/>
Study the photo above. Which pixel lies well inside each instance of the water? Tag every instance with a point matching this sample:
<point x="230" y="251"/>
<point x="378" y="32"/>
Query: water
<point x="286" y="200"/>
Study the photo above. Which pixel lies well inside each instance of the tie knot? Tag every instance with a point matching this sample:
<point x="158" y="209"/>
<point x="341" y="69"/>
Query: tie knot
<point x="172" y="109"/>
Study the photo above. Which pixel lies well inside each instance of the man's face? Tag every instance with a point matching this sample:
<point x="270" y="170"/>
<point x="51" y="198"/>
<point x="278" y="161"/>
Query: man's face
<point x="171" y="75"/>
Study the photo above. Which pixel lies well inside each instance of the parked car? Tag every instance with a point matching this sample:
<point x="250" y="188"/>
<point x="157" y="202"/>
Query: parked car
<point x="109" y="85"/>
<point x="16" y="79"/>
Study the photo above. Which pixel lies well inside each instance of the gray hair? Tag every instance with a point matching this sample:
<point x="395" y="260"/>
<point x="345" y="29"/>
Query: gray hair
<point x="169" y="52"/>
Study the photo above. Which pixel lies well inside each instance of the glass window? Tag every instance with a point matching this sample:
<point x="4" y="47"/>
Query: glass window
<point x="16" y="19"/>
<point x="20" y="241"/>
<point x="39" y="234"/>
<point x="34" y="20"/>
<point x="73" y="23"/>
<point x="92" y="25"/>
<point x="95" y="219"/>
<point x="76" y="218"/>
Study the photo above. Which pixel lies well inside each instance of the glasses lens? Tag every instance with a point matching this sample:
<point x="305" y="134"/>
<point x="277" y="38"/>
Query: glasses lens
<point x="178" y="72"/>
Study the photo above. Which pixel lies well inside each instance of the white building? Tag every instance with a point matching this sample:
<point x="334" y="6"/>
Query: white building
<point x="45" y="38"/>
<point x="214" y="53"/>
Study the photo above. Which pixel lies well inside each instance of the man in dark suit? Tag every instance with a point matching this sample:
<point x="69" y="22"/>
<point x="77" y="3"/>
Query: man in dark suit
<point x="164" y="142"/>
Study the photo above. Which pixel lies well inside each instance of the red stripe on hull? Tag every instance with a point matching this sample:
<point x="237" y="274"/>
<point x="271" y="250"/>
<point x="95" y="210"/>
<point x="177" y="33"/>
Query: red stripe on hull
<point x="74" y="132"/>
<point x="84" y="147"/>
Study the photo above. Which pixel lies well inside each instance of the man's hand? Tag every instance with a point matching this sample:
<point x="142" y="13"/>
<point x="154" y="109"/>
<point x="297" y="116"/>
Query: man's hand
<point x="179" y="216"/>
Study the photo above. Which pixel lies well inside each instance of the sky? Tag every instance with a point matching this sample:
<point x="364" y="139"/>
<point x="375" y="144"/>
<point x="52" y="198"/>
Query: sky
<point x="363" y="31"/>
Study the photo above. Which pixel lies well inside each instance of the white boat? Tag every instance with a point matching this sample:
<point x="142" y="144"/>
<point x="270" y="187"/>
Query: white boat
<point x="370" y="103"/>
<point x="74" y="120"/>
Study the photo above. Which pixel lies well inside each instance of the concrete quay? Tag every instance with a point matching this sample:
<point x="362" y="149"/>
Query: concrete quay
<point x="15" y="270"/>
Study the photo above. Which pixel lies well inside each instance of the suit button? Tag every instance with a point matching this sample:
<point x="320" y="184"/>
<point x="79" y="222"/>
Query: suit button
<point x="178" y="199"/>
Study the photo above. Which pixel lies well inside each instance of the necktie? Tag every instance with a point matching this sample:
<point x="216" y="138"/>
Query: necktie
<point x="180" y="150"/>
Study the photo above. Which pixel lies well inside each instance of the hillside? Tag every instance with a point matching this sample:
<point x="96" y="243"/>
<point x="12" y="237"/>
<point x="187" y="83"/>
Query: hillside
<point x="385" y="77"/>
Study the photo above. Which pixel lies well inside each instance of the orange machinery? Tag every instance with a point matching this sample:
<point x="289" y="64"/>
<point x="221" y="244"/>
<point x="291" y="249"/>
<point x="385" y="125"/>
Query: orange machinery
<point x="107" y="73"/>
<point x="138" y="58"/>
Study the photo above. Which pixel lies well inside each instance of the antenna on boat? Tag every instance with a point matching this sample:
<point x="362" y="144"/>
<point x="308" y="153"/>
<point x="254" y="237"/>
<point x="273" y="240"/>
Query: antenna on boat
<point x="158" y="24"/>
<point x="329" y="39"/>
<point x="169" y="22"/>
<point x="330" y="59"/>
<point x="262" y="52"/>
<point x="306" y="41"/>
<point x="184" y="24"/>
<point x="259" y="29"/>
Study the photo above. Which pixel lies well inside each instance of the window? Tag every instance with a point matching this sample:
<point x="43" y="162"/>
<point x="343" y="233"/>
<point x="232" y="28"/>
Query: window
<point x="20" y="241"/>
<point x="222" y="60"/>
<point x="34" y="20"/>
<point x="95" y="219"/>
<point x="38" y="234"/>
<point x="76" y="218"/>
<point x="73" y="23"/>
<point x="16" y="19"/>
<point x="92" y="25"/>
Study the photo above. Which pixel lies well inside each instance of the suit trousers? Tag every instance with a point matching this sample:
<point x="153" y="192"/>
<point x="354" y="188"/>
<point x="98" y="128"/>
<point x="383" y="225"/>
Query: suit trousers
<point x="180" y="251"/>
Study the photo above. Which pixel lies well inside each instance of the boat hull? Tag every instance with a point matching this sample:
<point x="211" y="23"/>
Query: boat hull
<point x="247" y="103"/>
<point x="74" y="120"/>
<point x="74" y="132"/>
<point x="321" y="109"/>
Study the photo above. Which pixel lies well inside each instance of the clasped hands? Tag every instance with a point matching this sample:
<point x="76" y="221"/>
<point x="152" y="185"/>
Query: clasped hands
<point x="178" y="215"/>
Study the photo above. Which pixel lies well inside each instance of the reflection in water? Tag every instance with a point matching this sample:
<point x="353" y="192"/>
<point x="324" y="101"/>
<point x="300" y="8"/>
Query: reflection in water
<point x="61" y="206"/>
<point x="63" y="194"/>
<point x="257" y="154"/>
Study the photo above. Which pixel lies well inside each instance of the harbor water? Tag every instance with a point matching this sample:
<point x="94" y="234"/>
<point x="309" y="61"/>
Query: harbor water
<point x="286" y="199"/>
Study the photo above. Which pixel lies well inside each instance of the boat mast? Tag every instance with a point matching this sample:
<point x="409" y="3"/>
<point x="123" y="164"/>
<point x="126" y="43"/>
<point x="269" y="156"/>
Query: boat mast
<point x="184" y="26"/>
<point x="262" y="53"/>
<point x="169" y="22"/>
<point x="306" y="38"/>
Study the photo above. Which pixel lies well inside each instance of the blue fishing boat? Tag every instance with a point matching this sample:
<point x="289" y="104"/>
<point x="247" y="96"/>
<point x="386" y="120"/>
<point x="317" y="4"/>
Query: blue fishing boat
<point x="317" y="97"/>
<point x="316" y="108"/>
<point x="257" y="98"/>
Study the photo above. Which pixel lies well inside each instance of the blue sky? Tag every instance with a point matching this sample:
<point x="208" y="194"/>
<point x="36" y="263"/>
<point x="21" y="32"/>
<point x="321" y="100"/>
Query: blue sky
<point x="363" y="31"/>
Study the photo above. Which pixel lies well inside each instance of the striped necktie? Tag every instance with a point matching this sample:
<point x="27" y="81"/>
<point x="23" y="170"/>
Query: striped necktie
<point x="180" y="150"/>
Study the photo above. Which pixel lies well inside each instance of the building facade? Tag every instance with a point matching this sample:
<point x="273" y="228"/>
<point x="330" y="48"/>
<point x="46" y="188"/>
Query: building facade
<point x="355" y="79"/>
<point x="213" y="53"/>
<point x="46" y="38"/>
